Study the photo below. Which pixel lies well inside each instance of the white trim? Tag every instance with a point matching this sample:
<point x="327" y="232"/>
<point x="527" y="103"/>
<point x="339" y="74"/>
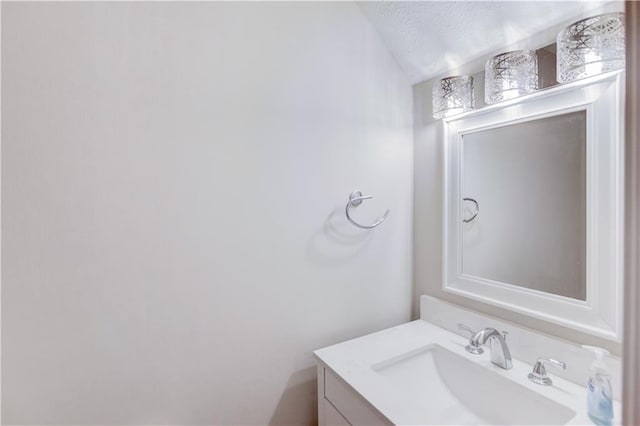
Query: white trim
<point x="601" y="98"/>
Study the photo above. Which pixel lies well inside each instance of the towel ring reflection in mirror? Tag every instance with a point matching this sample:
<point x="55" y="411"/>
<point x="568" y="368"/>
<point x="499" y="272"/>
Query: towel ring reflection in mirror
<point x="475" y="213"/>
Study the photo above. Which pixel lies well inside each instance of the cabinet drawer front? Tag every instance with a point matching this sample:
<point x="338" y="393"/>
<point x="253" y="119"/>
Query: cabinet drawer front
<point x="347" y="401"/>
<point x="332" y="417"/>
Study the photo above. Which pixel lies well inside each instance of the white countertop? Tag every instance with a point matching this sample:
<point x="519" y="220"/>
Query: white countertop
<point x="353" y="361"/>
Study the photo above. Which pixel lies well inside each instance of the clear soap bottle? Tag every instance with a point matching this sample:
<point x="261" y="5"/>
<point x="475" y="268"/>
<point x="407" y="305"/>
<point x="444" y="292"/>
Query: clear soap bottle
<point x="599" y="395"/>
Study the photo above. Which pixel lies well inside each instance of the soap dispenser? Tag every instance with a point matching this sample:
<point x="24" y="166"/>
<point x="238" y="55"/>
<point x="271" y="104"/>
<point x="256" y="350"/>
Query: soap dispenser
<point x="599" y="398"/>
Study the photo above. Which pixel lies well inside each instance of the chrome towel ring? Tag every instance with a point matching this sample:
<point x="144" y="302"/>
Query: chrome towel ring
<point x="355" y="199"/>
<point x="474" y="213"/>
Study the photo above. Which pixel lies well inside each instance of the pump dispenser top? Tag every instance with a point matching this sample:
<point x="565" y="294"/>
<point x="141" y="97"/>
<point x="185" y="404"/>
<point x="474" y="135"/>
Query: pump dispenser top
<point x="598" y="365"/>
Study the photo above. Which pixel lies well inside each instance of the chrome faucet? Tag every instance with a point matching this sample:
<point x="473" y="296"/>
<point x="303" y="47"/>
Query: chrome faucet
<point x="500" y="353"/>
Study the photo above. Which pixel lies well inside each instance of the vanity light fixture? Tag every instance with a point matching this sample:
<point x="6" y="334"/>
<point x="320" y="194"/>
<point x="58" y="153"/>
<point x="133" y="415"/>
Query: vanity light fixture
<point x="591" y="46"/>
<point x="509" y="75"/>
<point x="453" y="95"/>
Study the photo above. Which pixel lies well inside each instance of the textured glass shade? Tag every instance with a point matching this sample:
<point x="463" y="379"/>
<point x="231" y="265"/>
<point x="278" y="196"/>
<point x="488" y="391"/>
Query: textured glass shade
<point x="453" y="95"/>
<point x="591" y="46"/>
<point x="509" y="75"/>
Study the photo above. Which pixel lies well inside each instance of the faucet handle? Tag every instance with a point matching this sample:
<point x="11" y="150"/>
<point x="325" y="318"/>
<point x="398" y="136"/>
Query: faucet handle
<point x="473" y="347"/>
<point x="465" y="327"/>
<point x="539" y="373"/>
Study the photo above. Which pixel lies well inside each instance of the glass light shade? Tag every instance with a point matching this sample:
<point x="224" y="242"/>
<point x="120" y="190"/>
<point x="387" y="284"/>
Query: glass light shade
<point x="590" y="46"/>
<point x="509" y="75"/>
<point x="453" y="95"/>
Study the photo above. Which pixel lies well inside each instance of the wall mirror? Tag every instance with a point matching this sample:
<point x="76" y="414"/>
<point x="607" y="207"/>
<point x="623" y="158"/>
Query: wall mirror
<point x="533" y="205"/>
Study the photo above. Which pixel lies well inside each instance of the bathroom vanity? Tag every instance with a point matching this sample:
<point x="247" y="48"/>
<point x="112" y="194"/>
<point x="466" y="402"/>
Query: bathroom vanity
<point x="420" y="373"/>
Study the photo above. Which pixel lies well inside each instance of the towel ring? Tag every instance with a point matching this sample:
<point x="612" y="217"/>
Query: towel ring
<point x="355" y="199"/>
<point x="474" y="213"/>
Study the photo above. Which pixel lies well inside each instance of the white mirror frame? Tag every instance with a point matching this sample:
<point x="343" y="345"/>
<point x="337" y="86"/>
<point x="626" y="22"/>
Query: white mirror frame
<point x="602" y="99"/>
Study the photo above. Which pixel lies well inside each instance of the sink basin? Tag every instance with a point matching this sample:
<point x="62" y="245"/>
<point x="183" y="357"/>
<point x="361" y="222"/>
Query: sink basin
<point x="450" y="389"/>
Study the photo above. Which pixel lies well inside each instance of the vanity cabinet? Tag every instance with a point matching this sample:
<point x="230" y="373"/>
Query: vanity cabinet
<point x="339" y="404"/>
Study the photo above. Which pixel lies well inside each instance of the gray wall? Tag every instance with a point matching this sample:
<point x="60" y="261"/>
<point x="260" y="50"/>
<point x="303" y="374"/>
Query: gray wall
<point x="173" y="183"/>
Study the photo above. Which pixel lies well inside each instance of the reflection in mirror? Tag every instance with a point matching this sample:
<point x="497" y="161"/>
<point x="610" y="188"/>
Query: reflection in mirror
<point x="529" y="182"/>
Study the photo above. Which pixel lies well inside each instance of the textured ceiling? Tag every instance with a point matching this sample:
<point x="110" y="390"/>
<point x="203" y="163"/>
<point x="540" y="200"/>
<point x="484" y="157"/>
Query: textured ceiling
<point x="430" y="37"/>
